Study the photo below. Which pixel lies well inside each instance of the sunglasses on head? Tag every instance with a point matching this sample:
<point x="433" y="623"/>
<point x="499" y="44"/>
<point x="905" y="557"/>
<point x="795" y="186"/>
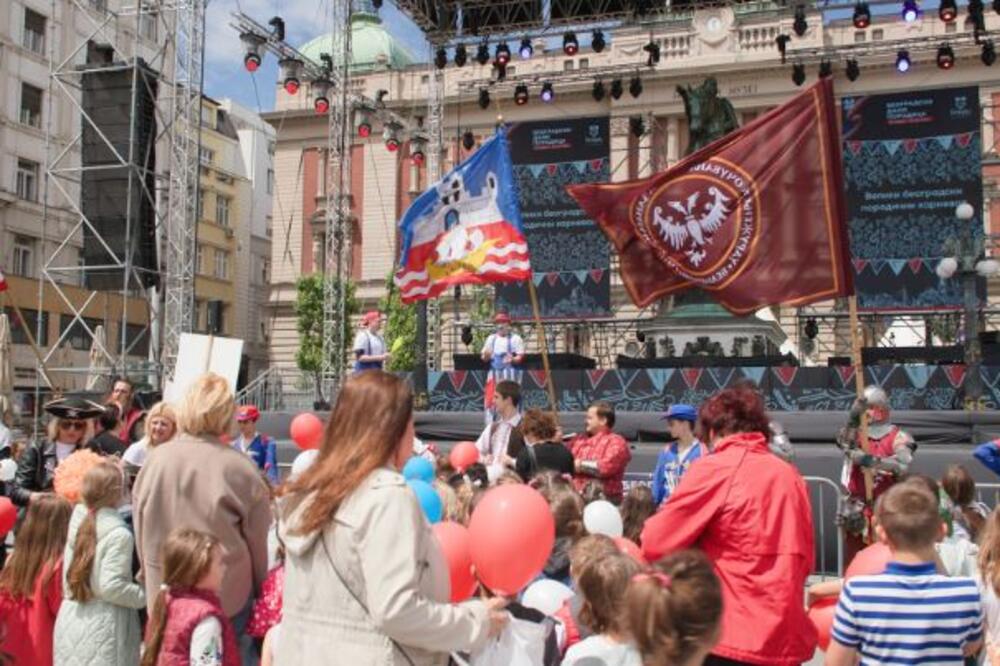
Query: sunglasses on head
<point x="73" y="425"/>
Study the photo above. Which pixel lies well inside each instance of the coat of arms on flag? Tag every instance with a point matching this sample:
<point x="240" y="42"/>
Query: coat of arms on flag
<point x="465" y="229"/>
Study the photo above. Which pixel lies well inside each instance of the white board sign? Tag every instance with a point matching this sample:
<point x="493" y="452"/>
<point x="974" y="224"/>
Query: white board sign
<point x="198" y="354"/>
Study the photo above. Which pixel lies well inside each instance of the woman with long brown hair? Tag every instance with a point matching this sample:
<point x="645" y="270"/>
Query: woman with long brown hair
<point x="365" y="581"/>
<point x="98" y="622"/>
<point x="31" y="582"/>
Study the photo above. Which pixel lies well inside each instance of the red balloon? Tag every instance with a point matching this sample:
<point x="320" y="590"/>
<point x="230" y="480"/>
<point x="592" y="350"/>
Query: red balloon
<point x="821" y="614"/>
<point x="463" y="455"/>
<point x="871" y="560"/>
<point x="306" y="431"/>
<point x="454" y="541"/>
<point x="8" y="516"/>
<point x="629" y="547"/>
<point x="512" y="533"/>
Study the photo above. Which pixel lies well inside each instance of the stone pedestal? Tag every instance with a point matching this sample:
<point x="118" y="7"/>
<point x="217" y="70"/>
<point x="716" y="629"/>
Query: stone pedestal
<point x="708" y="329"/>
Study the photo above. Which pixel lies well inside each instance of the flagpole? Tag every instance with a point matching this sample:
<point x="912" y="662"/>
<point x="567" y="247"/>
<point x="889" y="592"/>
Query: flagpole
<point x="543" y="342"/>
<point x="859" y="387"/>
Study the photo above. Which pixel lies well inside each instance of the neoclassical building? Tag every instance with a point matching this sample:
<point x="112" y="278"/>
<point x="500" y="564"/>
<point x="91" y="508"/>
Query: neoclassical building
<point x="737" y="49"/>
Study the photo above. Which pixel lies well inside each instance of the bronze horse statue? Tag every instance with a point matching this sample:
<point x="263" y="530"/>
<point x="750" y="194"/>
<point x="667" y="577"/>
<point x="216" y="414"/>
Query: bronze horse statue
<point x="710" y="117"/>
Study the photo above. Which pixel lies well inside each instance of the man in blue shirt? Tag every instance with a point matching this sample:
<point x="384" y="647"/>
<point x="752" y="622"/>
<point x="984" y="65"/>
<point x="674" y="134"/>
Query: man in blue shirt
<point x="677" y="457"/>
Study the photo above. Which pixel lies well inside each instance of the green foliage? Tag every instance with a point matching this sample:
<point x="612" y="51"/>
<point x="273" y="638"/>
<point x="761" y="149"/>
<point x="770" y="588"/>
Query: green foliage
<point x="400" y="329"/>
<point x="309" y="311"/>
<point x="481" y="316"/>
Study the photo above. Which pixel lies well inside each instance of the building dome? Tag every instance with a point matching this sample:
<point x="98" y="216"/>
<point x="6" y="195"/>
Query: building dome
<point x="372" y="46"/>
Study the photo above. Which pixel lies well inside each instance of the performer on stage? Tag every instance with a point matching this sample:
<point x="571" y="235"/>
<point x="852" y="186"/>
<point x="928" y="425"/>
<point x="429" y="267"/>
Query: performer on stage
<point x="890" y="451"/>
<point x="504" y="351"/>
<point x="370" y="352"/>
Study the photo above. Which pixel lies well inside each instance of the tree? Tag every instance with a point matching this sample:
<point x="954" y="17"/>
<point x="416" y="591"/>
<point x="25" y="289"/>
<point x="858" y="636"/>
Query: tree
<point x="400" y="329"/>
<point x="309" y="311"/>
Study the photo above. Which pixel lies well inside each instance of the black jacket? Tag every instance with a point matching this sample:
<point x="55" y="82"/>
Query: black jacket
<point x="35" y="471"/>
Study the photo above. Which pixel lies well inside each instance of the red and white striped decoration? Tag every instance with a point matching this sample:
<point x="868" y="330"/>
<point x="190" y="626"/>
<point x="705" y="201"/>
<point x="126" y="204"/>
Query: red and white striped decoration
<point x="3" y="282"/>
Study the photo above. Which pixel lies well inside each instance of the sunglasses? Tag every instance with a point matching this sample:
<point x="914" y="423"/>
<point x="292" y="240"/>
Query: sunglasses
<point x="73" y="425"/>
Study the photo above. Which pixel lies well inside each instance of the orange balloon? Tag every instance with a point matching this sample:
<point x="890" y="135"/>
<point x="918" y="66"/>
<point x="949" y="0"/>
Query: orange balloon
<point x="821" y="614"/>
<point x="454" y="541"/>
<point x="463" y="456"/>
<point x="306" y="431"/>
<point x="629" y="547"/>
<point x="871" y="560"/>
<point x="512" y="533"/>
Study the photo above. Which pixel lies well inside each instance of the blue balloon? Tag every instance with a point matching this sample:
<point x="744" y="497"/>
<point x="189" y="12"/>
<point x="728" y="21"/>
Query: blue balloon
<point x="418" y="469"/>
<point x="429" y="500"/>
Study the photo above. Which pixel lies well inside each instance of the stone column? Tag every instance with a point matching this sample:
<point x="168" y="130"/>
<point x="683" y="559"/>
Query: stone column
<point x="673" y="140"/>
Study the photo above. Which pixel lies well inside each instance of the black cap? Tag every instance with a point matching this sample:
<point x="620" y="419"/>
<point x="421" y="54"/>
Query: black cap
<point x="74" y="408"/>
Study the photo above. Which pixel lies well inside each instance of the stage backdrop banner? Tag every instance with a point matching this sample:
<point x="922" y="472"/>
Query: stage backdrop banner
<point x="570" y="257"/>
<point x="909" y="160"/>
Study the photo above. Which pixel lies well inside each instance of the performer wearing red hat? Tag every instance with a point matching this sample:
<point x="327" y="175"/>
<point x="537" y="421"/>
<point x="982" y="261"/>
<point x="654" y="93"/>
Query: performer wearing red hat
<point x="370" y="352"/>
<point x="261" y="448"/>
<point x="504" y="351"/>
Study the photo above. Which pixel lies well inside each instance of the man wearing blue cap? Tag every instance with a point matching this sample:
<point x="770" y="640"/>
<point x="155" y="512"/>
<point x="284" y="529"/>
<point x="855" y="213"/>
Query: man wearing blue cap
<point x="675" y="459"/>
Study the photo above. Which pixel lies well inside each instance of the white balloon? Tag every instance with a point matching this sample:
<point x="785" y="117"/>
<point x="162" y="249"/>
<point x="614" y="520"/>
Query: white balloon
<point x="303" y="461"/>
<point x="8" y="468"/>
<point x="601" y="517"/>
<point x="546" y="596"/>
<point x="946" y="267"/>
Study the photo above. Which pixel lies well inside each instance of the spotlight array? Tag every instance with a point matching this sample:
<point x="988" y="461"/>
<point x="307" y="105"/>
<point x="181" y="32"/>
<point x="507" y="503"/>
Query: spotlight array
<point x="320" y="90"/>
<point x="364" y="125"/>
<point x="798" y="74"/>
<point x="598" y="43"/>
<point x="548" y="93"/>
<point x="483" y="53"/>
<point x="291" y="70"/>
<point x="461" y="55"/>
<point x="526" y="50"/>
<point x="911" y="11"/>
<point x="852" y="70"/>
<point x="598" y="91"/>
<point x="903" y="61"/>
<point x="484" y="98"/>
<point x="521" y="94"/>
<point x="653" y="54"/>
<point x="945" y="57"/>
<point x="989" y="55"/>
<point x="502" y="54"/>
<point x="635" y="86"/>
<point x="799" y="24"/>
<point x="948" y="11"/>
<point x="417" y="155"/>
<point x="825" y="69"/>
<point x="468" y="140"/>
<point x="636" y="126"/>
<point x="570" y="44"/>
<point x="251" y="44"/>
<point x="391" y="137"/>
<point x="862" y="16"/>
<point x="441" y="58"/>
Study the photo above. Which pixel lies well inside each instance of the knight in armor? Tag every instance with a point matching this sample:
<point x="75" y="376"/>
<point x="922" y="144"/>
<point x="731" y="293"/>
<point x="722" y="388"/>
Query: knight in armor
<point x="889" y="453"/>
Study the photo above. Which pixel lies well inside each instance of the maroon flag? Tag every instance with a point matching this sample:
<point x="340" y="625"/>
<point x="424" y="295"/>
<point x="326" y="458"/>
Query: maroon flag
<point x="756" y="218"/>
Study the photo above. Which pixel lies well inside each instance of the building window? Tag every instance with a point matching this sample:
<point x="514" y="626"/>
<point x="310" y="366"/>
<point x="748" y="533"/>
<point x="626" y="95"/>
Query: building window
<point x="877" y="35"/>
<point x="17" y="333"/>
<point x="33" y="38"/>
<point x="584" y="63"/>
<point x="78" y="338"/>
<point x="222" y="210"/>
<point x="147" y="25"/>
<point x="206" y="155"/>
<point x="208" y="117"/>
<point x="425" y="79"/>
<point x="221" y="265"/>
<point x="137" y="335"/>
<point x="31" y="105"/>
<point x="860" y="36"/>
<point x="951" y="27"/>
<point x="197" y="316"/>
<point x="270" y="181"/>
<point x="215" y="317"/>
<point x="265" y="268"/>
<point x="27" y="180"/>
<point x="23" y="261"/>
<point x="511" y="70"/>
<point x="199" y="261"/>
<point x="201" y="204"/>
<point x="567" y="65"/>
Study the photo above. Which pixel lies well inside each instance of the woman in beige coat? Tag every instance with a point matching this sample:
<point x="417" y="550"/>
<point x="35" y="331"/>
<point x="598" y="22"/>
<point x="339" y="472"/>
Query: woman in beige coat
<point x="365" y="581"/>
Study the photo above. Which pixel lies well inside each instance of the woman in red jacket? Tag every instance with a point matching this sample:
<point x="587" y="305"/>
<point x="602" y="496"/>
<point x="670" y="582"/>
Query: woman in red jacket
<point x="749" y="511"/>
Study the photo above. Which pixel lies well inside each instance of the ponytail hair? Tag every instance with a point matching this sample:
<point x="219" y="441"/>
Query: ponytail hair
<point x="101" y="489"/>
<point x="187" y="558"/>
<point x="674" y="608"/>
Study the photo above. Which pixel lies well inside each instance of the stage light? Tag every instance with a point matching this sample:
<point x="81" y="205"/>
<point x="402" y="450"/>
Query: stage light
<point x="461" y="55"/>
<point x="251" y="44"/>
<point x="291" y="70"/>
<point x="377" y="4"/>
<point x="484" y="98"/>
<point x="598" y="91"/>
<point x="798" y="74"/>
<point x="862" y="16"/>
<point x="391" y="137"/>
<point x="799" y="24"/>
<point x="996" y="6"/>
<point x="598" y="43"/>
<point x="653" y="51"/>
<point x="483" y="53"/>
<point x="502" y="54"/>
<point x="527" y="50"/>
<point x="521" y="94"/>
<point x="903" y="61"/>
<point x="277" y="28"/>
<point x="441" y="58"/>
<point x="811" y="328"/>
<point x="825" y="69"/>
<point x="781" y="41"/>
<point x="548" y="92"/>
<point x="467" y="337"/>
<point x="320" y="89"/>
<point x="852" y="70"/>
<point x="570" y="45"/>
<point x="468" y="140"/>
<point x="947" y="11"/>
<point x="635" y="86"/>
<point x="976" y="14"/>
<point x="989" y="55"/>
<point x="364" y="125"/>
<point x="911" y="11"/>
<point x="945" y="57"/>
<point x="636" y="126"/>
<point x="417" y="156"/>
<point x="617" y="89"/>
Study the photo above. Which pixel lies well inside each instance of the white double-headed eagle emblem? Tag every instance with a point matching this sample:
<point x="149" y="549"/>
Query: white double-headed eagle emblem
<point x="698" y="224"/>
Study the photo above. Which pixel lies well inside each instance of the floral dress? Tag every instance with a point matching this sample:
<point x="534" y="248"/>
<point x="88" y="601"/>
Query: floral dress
<point x="206" y="643"/>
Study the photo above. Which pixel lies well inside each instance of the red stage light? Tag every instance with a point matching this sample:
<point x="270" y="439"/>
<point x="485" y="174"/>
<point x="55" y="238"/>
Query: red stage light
<point x="364" y="130"/>
<point x="392" y="145"/>
<point x="292" y="86"/>
<point x="417" y="158"/>
<point x="322" y="105"/>
<point x="251" y="62"/>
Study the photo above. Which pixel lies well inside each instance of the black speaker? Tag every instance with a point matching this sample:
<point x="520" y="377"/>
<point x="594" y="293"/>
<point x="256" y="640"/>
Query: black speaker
<point x="118" y="190"/>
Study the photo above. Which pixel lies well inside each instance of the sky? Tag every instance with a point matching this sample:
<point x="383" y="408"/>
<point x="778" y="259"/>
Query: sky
<point x="225" y="76"/>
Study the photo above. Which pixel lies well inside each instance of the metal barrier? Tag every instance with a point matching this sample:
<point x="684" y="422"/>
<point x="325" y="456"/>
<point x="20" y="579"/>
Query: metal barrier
<point x="825" y="522"/>
<point x="988" y="494"/>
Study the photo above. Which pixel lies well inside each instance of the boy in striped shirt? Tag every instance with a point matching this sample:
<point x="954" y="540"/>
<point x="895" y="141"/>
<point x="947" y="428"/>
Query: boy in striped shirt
<point x="910" y="614"/>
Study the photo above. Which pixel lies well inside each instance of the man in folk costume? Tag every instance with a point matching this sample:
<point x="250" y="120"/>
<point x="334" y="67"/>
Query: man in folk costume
<point x="504" y="351"/>
<point x="889" y="453"/>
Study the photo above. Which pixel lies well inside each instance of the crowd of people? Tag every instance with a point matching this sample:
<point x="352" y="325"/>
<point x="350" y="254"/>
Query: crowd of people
<point x="158" y="537"/>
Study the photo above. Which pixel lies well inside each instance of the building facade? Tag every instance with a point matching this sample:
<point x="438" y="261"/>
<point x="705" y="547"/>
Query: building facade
<point x="737" y="48"/>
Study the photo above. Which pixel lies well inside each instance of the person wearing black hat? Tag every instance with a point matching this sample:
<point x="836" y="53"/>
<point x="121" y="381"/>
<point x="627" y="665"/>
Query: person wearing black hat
<point x="69" y="430"/>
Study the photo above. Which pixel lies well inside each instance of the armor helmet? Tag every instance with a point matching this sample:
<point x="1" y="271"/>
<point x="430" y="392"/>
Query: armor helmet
<point x="875" y="396"/>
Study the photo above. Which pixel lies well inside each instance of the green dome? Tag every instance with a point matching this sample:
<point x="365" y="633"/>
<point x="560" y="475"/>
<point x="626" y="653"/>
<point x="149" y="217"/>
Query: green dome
<point x="372" y="47"/>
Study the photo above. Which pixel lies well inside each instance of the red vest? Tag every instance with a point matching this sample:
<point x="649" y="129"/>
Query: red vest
<point x="883" y="448"/>
<point x="184" y="612"/>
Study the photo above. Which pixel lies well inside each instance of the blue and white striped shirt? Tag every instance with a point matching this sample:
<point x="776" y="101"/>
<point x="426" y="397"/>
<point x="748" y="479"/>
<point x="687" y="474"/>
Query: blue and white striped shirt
<point x="909" y="615"/>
